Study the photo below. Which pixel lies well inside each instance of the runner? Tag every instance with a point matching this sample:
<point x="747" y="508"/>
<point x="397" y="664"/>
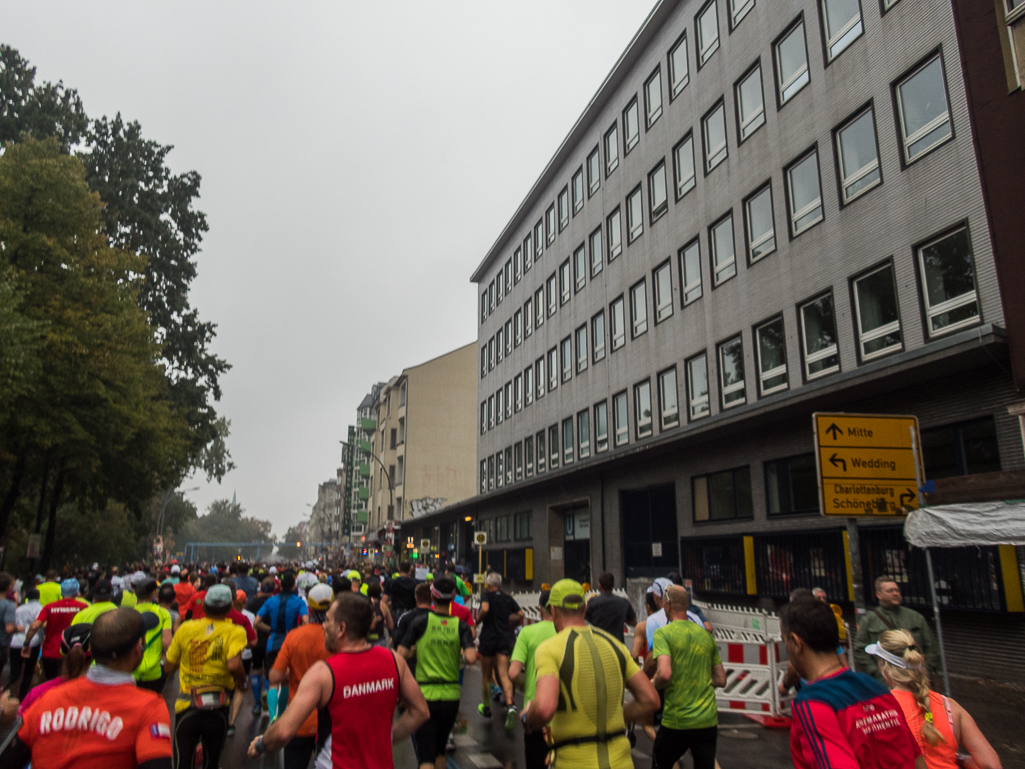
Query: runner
<point x="243" y="581"/>
<point x="184" y="591"/>
<point x="258" y="677"/>
<point x="382" y="617"/>
<point x="54" y="617"/>
<point x="8" y="620"/>
<point x="167" y="600"/>
<point x="50" y="590"/>
<point x="24" y="668"/>
<point x="689" y="669"/>
<point x="149" y="674"/>
<point x="589" y="668"/>
<point x="279" y="614"/>
<point x="247" y="661"/>
<point x="100" y="720"/>
<point x="102" y="602"/>
<point x="194" y="608"/>
<point x="535" y="749"/>
<point x="356" y="690"/>
<point x="401" y="591"/>
<point x="210" y="653"/>
<point x="424" y="605"/>
<point x="610" y="612"/>
<point x="498" y="612"/>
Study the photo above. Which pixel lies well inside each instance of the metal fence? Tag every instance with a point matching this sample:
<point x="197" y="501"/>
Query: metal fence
<point x="784" y="562"/>
<point x="715" y="564"/>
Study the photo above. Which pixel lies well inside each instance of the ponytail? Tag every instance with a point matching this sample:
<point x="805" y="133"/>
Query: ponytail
<point x="75" y="663"/>
<point x="914" y="677"/>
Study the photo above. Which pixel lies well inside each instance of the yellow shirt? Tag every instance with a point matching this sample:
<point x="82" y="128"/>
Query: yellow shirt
<point x="48" y="592"/>
<point x="592" y="668"/>
<point x="128" y="599"/>
<point x="204" y="646"/>
<point x="94" y="611"/>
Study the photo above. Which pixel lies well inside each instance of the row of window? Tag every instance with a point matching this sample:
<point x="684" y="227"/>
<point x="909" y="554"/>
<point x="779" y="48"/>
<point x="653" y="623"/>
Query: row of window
<point x="949" y="299"/>
<point x="505" y="528"/>
<point x="921" y="97"/>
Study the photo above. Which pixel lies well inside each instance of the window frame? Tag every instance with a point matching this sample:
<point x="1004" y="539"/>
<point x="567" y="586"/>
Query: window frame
<point x="663" y="425"/>
<point x="765" y="474"/>
<point x="686" y="292"/>
<point x="563" y="208"/>
<point x="705" y="399"/>
<point x="820" y="354"/>
<point x="614" y="250"/>
<point x="661" y="304"/>
<point x="528" y="252"/>
<point x="644" y="427"/>
<point x="950" y="304"/>
<point x="675" y="91"/>
<point x="738" y="83"/>
<point x="634" y="230"/>
<point x="842" y="182"/>
<point x="577" y="203"/>
<point x="651" y="116"/>
<point x="593" y="184"/>
<point x="598" y="352"/>
<point x="580" y="275"/>
<point x="707" y="164"/>
<point x="518" y="393"/>
<point x="517" y="265"/>
<point x="552" y="294"/>
<point x="539" y="239"/>
<point x="611" y="162"/>
<point x="628" y="143"/>
<point x="713" y="250"/>
<point x="518" y="328"/>
<point x="688" y="138"/>
<point x="783" y="370"/>
<point x="540" y="307"/>
<point x="528" y="317"/>
<point x="569" y="442"/>
<point x="551" y="224"/>
<point x="828" y="44"/>
<point x="596" y="265"/>
<point x="565" y="282"/>
<point x="528" y="457"/>
<point x="737" y="15"/>
<point x="540" y="450"/>
<point x="781" y="86"/>
<point x="723" y="390"/>
<point x="528" y="385"/>
<point x="540" y="378"/>
<point x="792" y="215"/>
<point x="894" y="326"/>
<point x="620" y="438"/>
<point x="554" y="447"/>
<point x="657" y="212"/>
<point x="749" y="243"/>
<point x="700" y="53"/>
<point x="554" y="371"/>
<point x="567" y="362"/>
<point x="581" y="363"/>
<point x="902" y="142"/>
<point x="638" y="327"/>
<point x="621" y="301"/>
<point x="736" y="507"/>
<point x="601" y="444"/>
<point x="583" y="424"/>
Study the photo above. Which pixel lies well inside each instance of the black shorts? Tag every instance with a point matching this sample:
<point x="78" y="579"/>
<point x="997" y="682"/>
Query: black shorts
<point x="247" y="666"/>
<point x="259" y="651"/>
<point x="268" y="660"/>
<point x="671" y="744"/>
<point x="493" y="645"/>
<point x="432" y="737"/>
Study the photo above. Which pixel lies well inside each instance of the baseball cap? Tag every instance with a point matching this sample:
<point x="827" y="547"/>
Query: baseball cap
<point x="567" y="594"/>
<point x="353" y="574"/>
<point x="176" y="569"/>
<point x="240" y="595"/>
<point x="273" y="570"/>
<point x="430" y="575"/>
<point x="76" y="635"/>
<point x="218" y="597"/>
<point x="320" y="597"/>
<point x="102" y="590"/>
<point x="658" y="587"/>
<point x="69" y="588"/>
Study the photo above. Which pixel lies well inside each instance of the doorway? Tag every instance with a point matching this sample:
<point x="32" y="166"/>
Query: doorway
<point x="576" y="528"/>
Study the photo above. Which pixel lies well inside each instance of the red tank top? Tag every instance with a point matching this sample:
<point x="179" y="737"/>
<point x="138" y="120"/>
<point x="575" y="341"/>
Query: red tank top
<point x="362" y="707"/>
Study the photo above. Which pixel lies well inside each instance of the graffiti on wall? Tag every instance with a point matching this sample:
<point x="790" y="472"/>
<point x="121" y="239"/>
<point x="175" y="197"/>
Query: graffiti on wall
<point x="425" y="505"/>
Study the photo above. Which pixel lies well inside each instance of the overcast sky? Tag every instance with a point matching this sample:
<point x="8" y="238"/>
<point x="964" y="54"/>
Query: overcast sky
<point x="358" y="160"/>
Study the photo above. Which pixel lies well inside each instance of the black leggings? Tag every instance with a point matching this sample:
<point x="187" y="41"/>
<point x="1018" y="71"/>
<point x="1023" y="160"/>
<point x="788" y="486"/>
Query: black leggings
<point x="299" y="751"/>
<point x="671" y="744"/>
<point x="192" y="727"/>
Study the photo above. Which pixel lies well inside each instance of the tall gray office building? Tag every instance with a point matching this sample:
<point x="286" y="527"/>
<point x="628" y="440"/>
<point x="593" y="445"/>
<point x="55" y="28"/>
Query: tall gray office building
<point x="768" y="209"/>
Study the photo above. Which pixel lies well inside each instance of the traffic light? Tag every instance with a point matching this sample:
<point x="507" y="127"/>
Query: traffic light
<point x="298" y="544"/>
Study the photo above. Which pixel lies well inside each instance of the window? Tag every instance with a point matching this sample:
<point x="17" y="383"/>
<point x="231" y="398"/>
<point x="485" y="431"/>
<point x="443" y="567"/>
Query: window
<point x="690" y="269"/>
<point x="483" y="361"/>
<point x="818" y="334"/>
<point x="723" y="496"/>
<point x="567" y="441"/>
<point x="708" y="32"/>
<point x="500" y="344"/>
<point x="499" y="407"/>
<point x="517" y="265"/>
<point x="517" y="328"/>
<point x="805" y="194"/>
<point x="878" y="319"/>
<point x="841" y="25"/>
<point x="961" y="449"/>
<point x="528" y="318"/>
<point x="598" y="336"/>
<point x="579" y="267"/>
<point x="611" y="149"/>
<point x="683" y="166"/>
<point x="539" y="439"/>
<point x="491" y="353"/>
<point x="791" y="63"/>
<point x="402" y="430"/>
<point x="618" y="320"/>
<point x="714" y="129"/>
<point x="483" y="417"/>
<point x="679" y="69"/>
<point x="792" y="486"/>
<point x="491" y="297"/>
<point x="508" y="400"/>
<point x="563" y="209"/>
<point x="553" y="369"/>
<point x="552" y="295"/>
<point x="653" y="98"/>
<point x="634" y="215"/>
<point x="621" y="418"/>
<point x="578" y="190"/>
<point x="491" y="473"/>
<point x="539" y="305"/>
<point x="593" y="172"/>
<point x="581" y="348"/>
<point x="553" y="447"/>
<point x="601" y="427"/>
<point x="668" y="406"/>
<point x="528" y="385"/>
<point x="923" y="110"/>
<point x="502" y="528"/>
<point x="638" y="309"/>
<point x="657" y="196"/>
<point x="528" y="253"/>
<point x="567" y="359"/>
<point x="508" y="275"/>
<point x="508" y="480"/>
<point x="400" y="473"/>
<point x="521" y="525"/>
<point x="528" y="456"/>
<point x="750" y="103"/>
<point x="615" y="226"/>
<point x="565" y="282"/>
<point x="597" y="259"/>
<point x="483" y="476"/>
<point x="771" y="348"/>
<point x="518" y="459"/>
<point x="500" y="469"/>
<point x="947" y="272"/>
<point x="550" y="225"/>
<point x="508" y="338"/>
<point x="483" y="307"/>
<point x="761" y="229"/>
<point x="539" y="239"/>
<point x="491" y="411"/>
<point x="724" y="257"/>
<point x="731" y="373"/>
<point x="499" y="293"/>
<point x="662" y="284"/>
<point x="584" y="434"/>
<point x="642" y="408"/>
<point x="631" y="127"/>
<point x="738" y="10"/>
<point x="697" y="386"/>
<point x="518" y="392"/>
<point x="858" y="156"/>
<point x="539" y="372"/>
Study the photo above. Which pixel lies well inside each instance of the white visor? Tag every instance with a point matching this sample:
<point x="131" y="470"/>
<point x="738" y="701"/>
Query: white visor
<point x="878" y="651"/>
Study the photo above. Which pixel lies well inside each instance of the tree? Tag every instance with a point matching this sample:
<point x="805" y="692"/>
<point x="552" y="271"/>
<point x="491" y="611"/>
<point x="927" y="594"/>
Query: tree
<point x="225" y="522"/>
<point x="288" y="549"/>
<point x="37" y="111"/>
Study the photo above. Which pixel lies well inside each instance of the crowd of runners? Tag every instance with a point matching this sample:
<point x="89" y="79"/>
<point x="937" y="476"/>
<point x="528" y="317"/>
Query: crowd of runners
<point x="337" y="665"/>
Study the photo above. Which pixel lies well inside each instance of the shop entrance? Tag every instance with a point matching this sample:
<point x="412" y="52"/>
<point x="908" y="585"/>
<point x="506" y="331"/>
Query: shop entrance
<point x="569" y="533"/>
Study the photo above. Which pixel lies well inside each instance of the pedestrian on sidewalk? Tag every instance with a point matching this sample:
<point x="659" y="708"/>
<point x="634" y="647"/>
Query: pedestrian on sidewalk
<point x="610" y="612"/>
<point x="890" y="615"/>
<point x="689" y="670"/>
<point x="523" y="670"/>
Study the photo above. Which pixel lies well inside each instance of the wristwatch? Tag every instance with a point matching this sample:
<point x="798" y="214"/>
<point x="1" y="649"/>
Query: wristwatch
<point x="259" y="747"/>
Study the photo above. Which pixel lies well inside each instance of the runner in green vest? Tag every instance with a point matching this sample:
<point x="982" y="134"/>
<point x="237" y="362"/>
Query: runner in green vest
<point x="535" y="748"/>
<point x="441" y="641"/>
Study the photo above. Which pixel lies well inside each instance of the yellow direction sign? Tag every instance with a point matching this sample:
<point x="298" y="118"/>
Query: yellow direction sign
<point x="866" y="463"/>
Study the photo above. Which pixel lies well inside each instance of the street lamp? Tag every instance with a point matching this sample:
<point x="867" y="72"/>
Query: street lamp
<point x="163" y="507"/>
<point x="387" y="475"/>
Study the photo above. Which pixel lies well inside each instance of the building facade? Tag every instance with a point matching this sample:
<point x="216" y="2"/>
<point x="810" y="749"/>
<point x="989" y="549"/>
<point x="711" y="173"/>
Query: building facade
<point x="325" y="525"/>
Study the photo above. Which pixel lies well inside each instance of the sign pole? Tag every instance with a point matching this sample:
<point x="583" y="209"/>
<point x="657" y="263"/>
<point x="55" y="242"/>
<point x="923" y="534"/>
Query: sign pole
<point x="857" y="585"/>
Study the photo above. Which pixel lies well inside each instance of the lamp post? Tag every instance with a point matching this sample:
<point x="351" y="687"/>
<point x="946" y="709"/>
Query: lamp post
<point x="387" y="475"/>
<point x="163" y="507"/>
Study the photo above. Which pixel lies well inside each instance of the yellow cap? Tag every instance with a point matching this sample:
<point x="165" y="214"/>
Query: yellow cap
<point x="567" y="594"/>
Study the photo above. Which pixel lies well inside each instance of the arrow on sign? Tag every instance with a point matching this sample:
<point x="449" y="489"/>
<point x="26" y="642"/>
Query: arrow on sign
<point x="909" y="495"/>
<point x="835" y="461"/>
<point x="835" y="431"/>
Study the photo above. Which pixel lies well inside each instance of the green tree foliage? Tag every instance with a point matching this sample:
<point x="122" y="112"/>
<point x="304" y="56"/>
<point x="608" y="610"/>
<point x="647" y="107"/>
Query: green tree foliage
<point x="225" y="521"/>
<point x="288" y="550"/>
<point x="39" y="111"/>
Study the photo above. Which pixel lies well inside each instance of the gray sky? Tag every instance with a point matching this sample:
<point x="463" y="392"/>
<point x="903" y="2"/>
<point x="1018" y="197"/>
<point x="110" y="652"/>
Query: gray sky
<point x="358" y="160"/>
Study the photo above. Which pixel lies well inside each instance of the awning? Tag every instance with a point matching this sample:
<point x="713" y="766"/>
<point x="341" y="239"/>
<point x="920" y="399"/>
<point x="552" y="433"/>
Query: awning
<point x="968" y="523"/>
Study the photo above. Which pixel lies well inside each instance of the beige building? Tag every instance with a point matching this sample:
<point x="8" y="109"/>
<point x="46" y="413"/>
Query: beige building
<point x="325" y="524"/>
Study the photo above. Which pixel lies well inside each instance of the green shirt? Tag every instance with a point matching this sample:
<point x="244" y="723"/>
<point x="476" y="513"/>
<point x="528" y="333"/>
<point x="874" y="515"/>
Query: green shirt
<point x="439" y="641"/>
<point x="529" y="639"/>
<point x="870" y="627"/>
<point x="690" y="696"/>
<point x="149" y="668"/>
<point x="128" y="599"/>
<point x="49" y="592"/>
<point x="94" y="611"/>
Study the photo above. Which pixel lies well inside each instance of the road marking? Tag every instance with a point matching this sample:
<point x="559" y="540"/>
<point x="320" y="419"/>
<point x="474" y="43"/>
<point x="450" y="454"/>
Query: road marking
<point x="485" y="761"/>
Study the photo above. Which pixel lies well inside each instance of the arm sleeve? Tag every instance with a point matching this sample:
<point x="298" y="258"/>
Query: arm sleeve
<point x="236" y="641"/>
<point x="816" y="739"/>
<point x="660" y="646"/>
<point x="153" y="740"/>
<point x="465" y="636"/>
<point x="416" y="630"/>
<point x="303" y="611"/>
<point x="44" y="614"/>
<point x="174" y="651"/>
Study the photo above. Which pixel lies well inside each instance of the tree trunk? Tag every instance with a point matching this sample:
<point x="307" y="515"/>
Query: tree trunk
<point x="51" y="528"/>
<point x="13" y="493"/>
<point x="43" y="484"/>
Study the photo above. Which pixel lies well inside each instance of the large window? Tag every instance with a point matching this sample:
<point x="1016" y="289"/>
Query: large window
<point x="723" y="496"/>
<point x="731" y="373"/>
<point x="791" y="486"/>
<point x="770" y="344"/>
<point x="791" y="63"/>
<point x="707" y="24"/>
<point x="578" y="190"/>
<point x="563" y="208"/>
<point x="818" y="335"/>
<point x="528" y="456"/>
<point x="662" y="285"/>
<point x="601" y="426"/>
<point x="553" y="447"/>
<point x="552" y="294"/>
<point x="658" y="198"/>
<point x="760" y="224"/>
<point x="566" y="354"/>
<point x="679" y="69"/>
<point x="539" y="306"/>
<point x="841" y="25"/>
<point x="878" y="319"/>
<point x="522" y="525"/>
<point x="550" y="225"/>
<point x="615" y="227"/>
<point x="724" y="256"/>
<point x="642" y="408"/>
<point x="947" y="272"/>
<point x="617" y="317"/>
<point x="858" y="156"/>
<point x="597" y="258"/>
<point x="582" y="351"/>
<point x="634" y="215"/>
<point x="528" y="317"/>
<point x="598" y="336"/>
<point x="567" y="441"/>
<point x="683" y="166"/>
<point x="539" y="239"/>
<point x="611" y="149"/>
<point x="638" y="309"/>
<point x="553" y="369"/>
<point x="750" y="103"/>
<point x="584" y="434"/>
<point x="631" y="126"/>
<point x="565" y="282"/>
<point x="528" y="385"/>
<point x="738" y="10"/>
<point x="690" y="269"/>
<point x="579" y="267"/>
<point x="697" y="386"/>
<point x="542" y="453"/>
<point x="922" y="109"/>
<point x="668" y="404"/>
<point x="805" y="193"/>
<point x="653" y="98"/>
<point x="961" y="449"/>
<point x="593" y="171"/>
<point x="621" y="418"/>
<point x="539" y="376"/>
<point x="528" y="253"/>
<point x="713" y="126"/>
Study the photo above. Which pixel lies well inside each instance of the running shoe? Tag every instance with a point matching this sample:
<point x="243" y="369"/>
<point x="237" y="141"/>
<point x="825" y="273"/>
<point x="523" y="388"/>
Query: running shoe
<point x="484" y="710"/>
<point x="230" y="732"/>
<point x="451" y="744"/>
<point x="496" y="693"/>
<point x="510" y="719"/>
<point x="257" y="710"/>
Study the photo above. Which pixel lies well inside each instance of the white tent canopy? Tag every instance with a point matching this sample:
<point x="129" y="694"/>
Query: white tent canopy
<point x="969" y="523"/>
